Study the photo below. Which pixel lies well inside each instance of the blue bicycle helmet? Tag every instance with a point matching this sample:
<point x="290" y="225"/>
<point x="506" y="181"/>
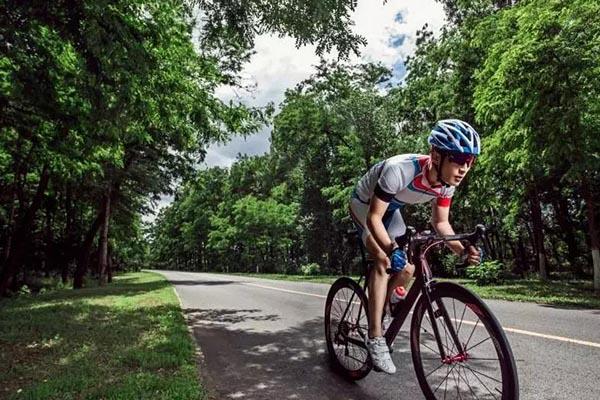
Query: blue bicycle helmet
<point x="456" y="136"/>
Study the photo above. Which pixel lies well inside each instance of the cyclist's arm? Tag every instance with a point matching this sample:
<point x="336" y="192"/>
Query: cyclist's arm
<point x="377" y="209"/>
<point x="441" y="224"/>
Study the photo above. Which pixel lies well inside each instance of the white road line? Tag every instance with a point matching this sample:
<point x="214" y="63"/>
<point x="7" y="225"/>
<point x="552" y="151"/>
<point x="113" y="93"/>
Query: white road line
<point x="507" y="329"/>
<point x="542" y="335"/>
<point x="552" y="337"/>
<point x="284" y="290"/>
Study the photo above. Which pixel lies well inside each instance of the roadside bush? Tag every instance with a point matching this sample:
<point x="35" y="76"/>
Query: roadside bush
<point x="448" y="265"/>
<point x="487" y="273"/>
<point x="310" y="269"/>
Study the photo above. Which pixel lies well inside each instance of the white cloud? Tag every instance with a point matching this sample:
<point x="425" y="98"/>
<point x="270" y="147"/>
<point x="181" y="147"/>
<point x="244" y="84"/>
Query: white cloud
<point x="278" y="64"/>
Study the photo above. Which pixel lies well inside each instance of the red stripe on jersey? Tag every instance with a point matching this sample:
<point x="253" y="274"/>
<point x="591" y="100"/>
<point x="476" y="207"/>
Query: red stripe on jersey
<point x="444" y="201"/>
<point x="418" y="182"/>
<point x="423" y="161"/>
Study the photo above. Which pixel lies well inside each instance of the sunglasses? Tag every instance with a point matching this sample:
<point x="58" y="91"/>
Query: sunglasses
<point x="462" y="158"/>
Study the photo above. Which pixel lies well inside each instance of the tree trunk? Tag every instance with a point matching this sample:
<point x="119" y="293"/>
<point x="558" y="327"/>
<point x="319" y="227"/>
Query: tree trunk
<point x="567" y="232"/>
<point x="24" y="227"/>
<point x="83" y="258"/>
<point x="103" y="245"/>
<point x="10" y="228"/>
<point x="69" y="234"/>
<point x="538" y="231"/>
<point x="593" y="232"/>
<point x="50" y="249"/>
<point x="109" y="266"/>
<point x="522" y="255"/>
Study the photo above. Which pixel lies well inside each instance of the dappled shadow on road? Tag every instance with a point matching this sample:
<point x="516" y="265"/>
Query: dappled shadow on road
<point x="285" y="364"/>
<point x="211" y="316"/>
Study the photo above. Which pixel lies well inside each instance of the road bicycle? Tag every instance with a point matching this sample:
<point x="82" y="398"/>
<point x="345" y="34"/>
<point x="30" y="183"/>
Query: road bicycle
<point x="459" y="349"/>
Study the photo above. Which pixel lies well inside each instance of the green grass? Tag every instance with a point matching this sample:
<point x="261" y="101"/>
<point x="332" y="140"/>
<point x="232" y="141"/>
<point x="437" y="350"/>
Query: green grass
<point x="127" y="340"/>
<point x="578" y="294"/>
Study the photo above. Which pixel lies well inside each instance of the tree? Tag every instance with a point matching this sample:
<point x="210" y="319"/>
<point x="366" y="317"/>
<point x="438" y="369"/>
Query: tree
<point x="538" y="88"/>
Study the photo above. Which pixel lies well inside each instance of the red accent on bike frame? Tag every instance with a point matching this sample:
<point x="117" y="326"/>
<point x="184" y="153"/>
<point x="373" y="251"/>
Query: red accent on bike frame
<point x="457" y="358"/>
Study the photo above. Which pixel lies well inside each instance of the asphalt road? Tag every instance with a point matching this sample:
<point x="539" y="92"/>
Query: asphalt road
<point x="264" y="339"/>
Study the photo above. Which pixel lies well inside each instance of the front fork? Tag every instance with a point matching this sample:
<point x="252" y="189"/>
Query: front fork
<point x="433" y="317"/>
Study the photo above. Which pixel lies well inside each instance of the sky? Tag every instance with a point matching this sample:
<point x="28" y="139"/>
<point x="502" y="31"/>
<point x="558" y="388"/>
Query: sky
<point x="390" y="30"/>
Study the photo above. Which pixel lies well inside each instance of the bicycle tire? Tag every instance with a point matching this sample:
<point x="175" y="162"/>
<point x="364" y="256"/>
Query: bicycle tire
<point x="352" y="326"/>
<point x="445" y="292"/>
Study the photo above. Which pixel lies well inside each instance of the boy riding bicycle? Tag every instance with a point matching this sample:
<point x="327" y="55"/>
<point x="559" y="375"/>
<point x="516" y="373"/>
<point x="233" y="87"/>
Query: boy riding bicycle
<point x="375" y="209"/>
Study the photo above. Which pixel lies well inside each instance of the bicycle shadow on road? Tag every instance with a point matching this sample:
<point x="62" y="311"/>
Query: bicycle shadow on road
<point x="239" y="362"/>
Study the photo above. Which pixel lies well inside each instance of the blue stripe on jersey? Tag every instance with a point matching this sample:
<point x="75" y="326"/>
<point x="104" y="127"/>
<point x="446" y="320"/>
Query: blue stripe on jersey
<point x="415" y="161"/>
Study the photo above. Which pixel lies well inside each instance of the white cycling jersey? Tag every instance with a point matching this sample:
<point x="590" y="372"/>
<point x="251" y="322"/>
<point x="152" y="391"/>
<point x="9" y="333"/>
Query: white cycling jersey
<point x="398" y="180"/>
<point x="402" y="180"/>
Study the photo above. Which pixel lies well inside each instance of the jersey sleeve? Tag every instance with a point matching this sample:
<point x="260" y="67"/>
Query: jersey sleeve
<point x="390" y="182"/>
<point x="445" y="199"/>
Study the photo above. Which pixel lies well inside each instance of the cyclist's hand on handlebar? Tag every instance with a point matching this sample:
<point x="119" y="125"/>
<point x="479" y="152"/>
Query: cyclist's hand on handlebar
<point x="397" y="259"/>
<point x="472" y="255"/>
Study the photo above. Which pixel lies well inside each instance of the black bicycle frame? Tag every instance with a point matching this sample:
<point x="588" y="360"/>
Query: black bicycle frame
<point x="423" y="285"/>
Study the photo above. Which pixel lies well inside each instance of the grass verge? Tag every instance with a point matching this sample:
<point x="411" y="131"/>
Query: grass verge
<point x="127" y="340"/>
<point x="577" y="294"/>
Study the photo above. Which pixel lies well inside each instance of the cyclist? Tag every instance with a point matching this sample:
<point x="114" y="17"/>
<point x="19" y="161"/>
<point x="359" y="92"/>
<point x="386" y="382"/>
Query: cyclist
<point x="375" y="209"/>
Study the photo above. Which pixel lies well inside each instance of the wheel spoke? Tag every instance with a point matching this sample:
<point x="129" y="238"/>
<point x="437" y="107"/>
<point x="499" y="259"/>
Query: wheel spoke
<point x="480" y="381"/>
<point x="476" y="377"/>
<point x="457" y="385"/>
<point x="435" y="351"/>
<point x="451" y="369"/>
<point x="451" y="339"/>
<point x="454" y="310"/>
<point x="471" y="335"/>
<point x="483" y="341"/>
<point x="461" y="318"/>
<point x="439" y="366"/>
<point x="465" y="380"/>
<point x="446" y="385"/>
<point x="481" y="373"/>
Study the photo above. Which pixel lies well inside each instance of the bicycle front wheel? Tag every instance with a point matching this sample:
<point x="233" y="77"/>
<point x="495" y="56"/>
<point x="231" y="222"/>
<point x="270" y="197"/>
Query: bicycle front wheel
<point x="346" y="326"/>
<point x="459" y="348"/>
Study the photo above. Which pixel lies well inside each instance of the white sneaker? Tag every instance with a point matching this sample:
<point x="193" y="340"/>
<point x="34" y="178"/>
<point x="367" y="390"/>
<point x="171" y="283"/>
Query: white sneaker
<point x="380" y="354"/>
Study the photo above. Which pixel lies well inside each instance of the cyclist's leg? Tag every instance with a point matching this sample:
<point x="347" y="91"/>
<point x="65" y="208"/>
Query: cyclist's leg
<point x="378" y="278"/>
<point x="395" y="227"/>
<point x="378" y="282"/>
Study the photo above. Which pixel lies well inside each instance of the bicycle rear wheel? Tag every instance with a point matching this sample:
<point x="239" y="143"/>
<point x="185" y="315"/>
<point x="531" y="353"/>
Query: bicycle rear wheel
<point x="484" y="369"/>
<point x="346" y="326"/>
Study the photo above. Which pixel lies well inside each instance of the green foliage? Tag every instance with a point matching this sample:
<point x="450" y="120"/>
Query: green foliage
<point x="104" y="100"/>
<point x="522" y="72"/>
<point x="486" y="273"/>
<point x="448" y="264"/>
<point x="310" y="269"/>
